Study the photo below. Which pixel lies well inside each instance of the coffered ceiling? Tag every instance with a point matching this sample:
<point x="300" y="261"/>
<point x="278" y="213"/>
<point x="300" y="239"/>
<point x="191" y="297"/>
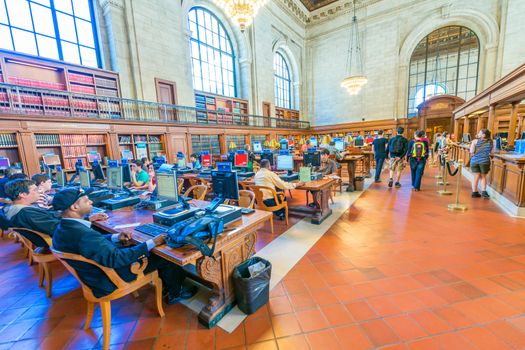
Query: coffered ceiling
<point x="312" y="5"/>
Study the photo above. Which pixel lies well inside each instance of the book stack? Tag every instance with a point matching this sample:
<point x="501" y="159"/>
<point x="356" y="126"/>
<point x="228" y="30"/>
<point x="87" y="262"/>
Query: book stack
<point x="68" y="140"/>
<point x="95" y="139"/>
<point x="46" y="139"/>
<point x="7" y="140"/>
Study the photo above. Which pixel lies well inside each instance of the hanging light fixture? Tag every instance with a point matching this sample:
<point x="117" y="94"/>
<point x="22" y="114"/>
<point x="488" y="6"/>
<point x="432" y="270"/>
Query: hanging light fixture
<point x="242" y="12"/>
<point x="354" y="66"/>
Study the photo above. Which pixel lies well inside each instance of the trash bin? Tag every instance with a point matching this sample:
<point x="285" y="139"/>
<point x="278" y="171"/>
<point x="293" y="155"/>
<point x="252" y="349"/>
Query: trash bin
<point x="252" y="292"/>
<point x="359" y="183"/>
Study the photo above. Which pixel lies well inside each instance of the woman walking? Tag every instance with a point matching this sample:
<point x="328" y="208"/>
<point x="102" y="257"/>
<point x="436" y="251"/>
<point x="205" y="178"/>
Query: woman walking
<point x="480" y="151"/>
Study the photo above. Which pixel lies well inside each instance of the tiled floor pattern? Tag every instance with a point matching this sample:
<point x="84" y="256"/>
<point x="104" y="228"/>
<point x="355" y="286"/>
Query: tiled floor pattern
<point x="397" y="271"/>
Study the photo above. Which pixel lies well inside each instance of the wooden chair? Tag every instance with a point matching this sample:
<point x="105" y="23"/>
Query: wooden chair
<point x="123" y="288"/>
<point x="278" y="197"/>
<point x="197" y="192"/>
<point x="246" y="199"/>
<point x="180" y="184"/>
<point x="41" y="255"/>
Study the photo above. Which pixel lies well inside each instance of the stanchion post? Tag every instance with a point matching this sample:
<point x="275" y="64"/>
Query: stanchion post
<point x="458" y="206"/>
<point x="439" y="175"/>
<point x="444" y="192"/>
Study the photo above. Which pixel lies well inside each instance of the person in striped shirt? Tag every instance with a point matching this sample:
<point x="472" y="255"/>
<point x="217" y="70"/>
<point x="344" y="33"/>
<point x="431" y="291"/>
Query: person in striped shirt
<point x="43" y="183"/>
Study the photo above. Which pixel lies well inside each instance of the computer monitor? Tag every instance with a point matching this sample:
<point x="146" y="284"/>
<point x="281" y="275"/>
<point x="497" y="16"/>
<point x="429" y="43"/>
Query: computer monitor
<point x="181" y="163"/>
<point x="97" y="171"/>
<point x="269" y="156"/>
<point x="285" y="162"/>
<point x="93" y="157"/>
<point x="51" y="159"/>
<point x="206" y="160"/>
<point x="4" y="163"/>
<point x="49" y="172"/>
<point x="312" y="158"/>
<point x="85" y="178"/>
<point x="112" y="163"/>
<point x="126" y="173"/>
<point x="340" y="145"/>
<point x="164" y="168"/>
<point x="313" y="142"/>
<point x="360" y="142"/>
<point x="466" y="138"/>
<point x="61" y="178"/>
<point x="114" y="178"/>
<point x="241" y="160"/>
<point x="167" y="186"/>
<point x="127" y="154"/>
<point x="257" y="147"/>
<point x="283" y="144"/>
<point x="160" y="160"/>
<point x="225" y="184"/>
<point x="522" y="135"/>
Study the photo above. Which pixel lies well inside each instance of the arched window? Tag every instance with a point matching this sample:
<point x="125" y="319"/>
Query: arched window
<point x="59" y="29"/>
<point x="212" y="56"/>
<point x="283" y="83"/>
<point x="445" y="62"/>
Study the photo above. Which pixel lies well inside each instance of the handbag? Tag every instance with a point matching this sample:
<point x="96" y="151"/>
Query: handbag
<point x="196" y="231"/>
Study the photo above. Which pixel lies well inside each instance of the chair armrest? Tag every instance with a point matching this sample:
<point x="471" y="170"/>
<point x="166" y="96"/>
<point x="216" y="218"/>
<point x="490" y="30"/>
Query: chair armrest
<point x="138" y="267"/>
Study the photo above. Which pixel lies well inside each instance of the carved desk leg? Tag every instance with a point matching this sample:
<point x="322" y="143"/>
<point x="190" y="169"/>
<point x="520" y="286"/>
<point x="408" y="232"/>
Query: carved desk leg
<point x="210" y="270"/>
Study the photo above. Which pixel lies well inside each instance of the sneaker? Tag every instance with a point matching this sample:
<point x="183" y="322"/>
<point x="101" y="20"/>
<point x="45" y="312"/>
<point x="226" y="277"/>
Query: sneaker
<point x="417" y="189"/>
<point x="185" y="293"/>
<point x="390" y="183"/>
<point x="398" y="185"/>
<point x="484" y="194"/>
<point x="377" y="181"/>
<point x="476" y="194"/>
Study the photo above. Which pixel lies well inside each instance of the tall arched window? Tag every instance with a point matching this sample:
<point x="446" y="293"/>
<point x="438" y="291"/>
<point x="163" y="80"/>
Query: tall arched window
<point x="445" y="62"/>
<point x="212" y="56"/>
<point x="283" y="83"/>
<point x="59" y="29"/>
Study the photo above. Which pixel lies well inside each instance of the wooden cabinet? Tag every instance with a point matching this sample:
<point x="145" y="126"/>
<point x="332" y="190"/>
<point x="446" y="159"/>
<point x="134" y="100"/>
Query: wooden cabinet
<point x="213" y="108"/>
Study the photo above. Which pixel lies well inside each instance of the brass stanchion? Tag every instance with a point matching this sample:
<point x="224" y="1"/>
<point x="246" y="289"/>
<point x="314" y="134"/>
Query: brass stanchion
<point x="439" y="175"/>
<point x="444" y="182"/>
<point x="458" y="206"/>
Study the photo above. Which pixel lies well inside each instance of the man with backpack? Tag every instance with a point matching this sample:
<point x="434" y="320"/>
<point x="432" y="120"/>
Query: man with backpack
<point x="397" y="149"/>
<point x="380" y="153"/>
<point x="417" y="155"/>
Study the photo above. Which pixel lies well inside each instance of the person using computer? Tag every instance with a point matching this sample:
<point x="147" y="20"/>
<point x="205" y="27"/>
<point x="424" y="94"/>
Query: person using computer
<point x="139" y="178"/>
<point x="152" y="184"/>
<point x="145" y="163"/>
<point x="75" y="235"/>
<point x="305" y="146"/>
<point x="328" y="166"/>
<point x="9" y="174"/>
<point x="333" y="150"/>
<point x="195" y="162"/>
<point x="266" y="177"/>
<point x="251" y="156"/>
<point x="43" y="183"/>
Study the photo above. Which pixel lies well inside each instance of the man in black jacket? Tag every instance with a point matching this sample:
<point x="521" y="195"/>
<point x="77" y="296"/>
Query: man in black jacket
<point x="397" y="150"/>
<point x="24" y="193"/>
<point x="75" y="235"/>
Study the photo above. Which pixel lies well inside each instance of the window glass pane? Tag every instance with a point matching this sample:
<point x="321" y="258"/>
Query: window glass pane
<point x="47" y="47"/>
<point x="24" y="41"/>
<point x="70" y="52"/>
<point x="89" y="56"/>
<point x="19" y="14"/>
<point x="193" y="30"/>
<point x="82" y="9"/>
<point x="43" y="20"/>
<point x="192" y="16"/>
<point x="66" y="26"/>
<point x="3" y="14"/>
<point x="43" y="2"/>
<point x="85" y="33"/>
<point x="5" y="38"/>
<point x="64" y="5"/>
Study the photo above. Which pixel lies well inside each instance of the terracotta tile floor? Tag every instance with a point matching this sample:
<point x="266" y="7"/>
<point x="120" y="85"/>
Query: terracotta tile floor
<point x="397" y="271"/>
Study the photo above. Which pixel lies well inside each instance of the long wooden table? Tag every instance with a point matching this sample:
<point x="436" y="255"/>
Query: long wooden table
<point x="234" y="245"/>
<point x="350" y="163"/>
<point x="320" y="190"/>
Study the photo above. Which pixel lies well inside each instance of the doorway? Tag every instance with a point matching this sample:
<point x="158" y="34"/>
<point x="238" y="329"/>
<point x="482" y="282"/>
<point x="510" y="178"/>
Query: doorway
<point x="167" y="94"/>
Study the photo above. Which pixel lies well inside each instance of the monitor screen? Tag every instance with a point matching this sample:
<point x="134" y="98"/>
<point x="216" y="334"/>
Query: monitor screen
<point x="165" y="168"/>
<point x="181" y="163"/>
<point x="85" y="179"/>
<point x="114" y="178"/>
<point x="206" y="160"/>
<point x="268" y="156"/>
<point x="127" y="154"/>
<point x="92" y="157"/>
<point x="312" y="158"/>
<point x="126" y="173"/>
<point x="283" y="144"/>
<point x="313" y="142"/>
<point x="284" y="162"/>
<point x="241" y="160"/>
<point x="167" y="186"/>
<point x="98" y="172"/>
<point x="340" y="145"/>
<point x="4" y="163"/>
<point x="112" y="163"/>
<point x="225" y="184"/>
<point x="360" y="142"/>
<point x="61" y="178"/>
<point x="51" y="159"/>
<point x="257" y="147"/>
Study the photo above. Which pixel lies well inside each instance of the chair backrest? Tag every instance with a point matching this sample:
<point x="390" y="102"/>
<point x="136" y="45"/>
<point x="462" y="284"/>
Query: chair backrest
<point x="197" y="191"/>
<point x="246" y="199"/>
<point x="32" y="238"/>
<point x="4" y="221"/>
<point x="113" y="276"/>
<point x="259" y="195"/>
<point x="180" y="184"/>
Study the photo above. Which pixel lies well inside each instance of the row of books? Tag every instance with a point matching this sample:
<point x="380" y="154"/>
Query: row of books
<point x="37" y="83"/>
<point x="83" y="104"/>
<point x="7" y="140"/>
<point x="105" y="82"/>
<point x="107" y="92"/>
<point x="1" y="78"/>
<point x="80" y="78"/>
<point x="77" y="151"/>
<point x="140" y="138"/>
<point x="69" y="163"/>
<point x="83" y="89"/>
<point x="46" y="139"/>
<point x="124" y="139"/>
<point x="73" y="140"/>
<point x="95" y="139"/>
<point x="154" y="139"/>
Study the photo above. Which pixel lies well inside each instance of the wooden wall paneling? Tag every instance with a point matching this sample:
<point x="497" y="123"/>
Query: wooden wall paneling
<point x="178" y="143"/>
<point x="513" y="182"/>
<point x="513" y="122"/>
<point x="223" y="143"/>
<point x="498" y="176"/>
<point x="113" y="147"/>
<point x="29" y="153"/>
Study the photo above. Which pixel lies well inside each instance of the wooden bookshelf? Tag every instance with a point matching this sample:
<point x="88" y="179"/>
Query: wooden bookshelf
<point x="213" y="108"/>
<point x="9" y="147"/>
<point x="154" y="144"/>
<point x="210" y="143"/>
<point x="285" y="114"/>
<point x="239" y="140"/>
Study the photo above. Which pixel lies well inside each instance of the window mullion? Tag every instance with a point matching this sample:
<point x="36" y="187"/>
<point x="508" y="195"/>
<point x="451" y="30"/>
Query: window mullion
<point x="57" y="32"/>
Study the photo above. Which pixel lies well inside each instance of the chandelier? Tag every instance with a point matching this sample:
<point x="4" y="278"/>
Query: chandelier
<point x="242" y="12"/>
<point x="354" y="82"/>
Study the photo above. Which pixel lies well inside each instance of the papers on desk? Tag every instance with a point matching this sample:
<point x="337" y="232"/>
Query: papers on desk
<point x="118" y="227"/>
<point x="305" y="174"/>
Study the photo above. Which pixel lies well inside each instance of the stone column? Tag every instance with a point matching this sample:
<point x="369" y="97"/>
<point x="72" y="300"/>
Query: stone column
<point x="513" y="121"/>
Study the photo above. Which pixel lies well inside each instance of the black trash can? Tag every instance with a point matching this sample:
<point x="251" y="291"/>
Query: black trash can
<point x="359" y="183"/>
<point x="252" y="292"/>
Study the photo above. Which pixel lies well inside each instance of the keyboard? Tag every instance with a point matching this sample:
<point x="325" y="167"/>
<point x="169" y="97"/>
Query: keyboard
<point x="288" y="178"/>
<point x="96" y="210"/>
<point x="152" y="230"/>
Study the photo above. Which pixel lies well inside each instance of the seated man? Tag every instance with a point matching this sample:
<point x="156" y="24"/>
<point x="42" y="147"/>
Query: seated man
<point x="10" y="173"/>
<point x="333" y="150"/>
<point x="22" y="213"/>
<point x="194" y="159"/>
<point x="328" y="166"/>
<point x="43" y="183"/>
<point x="75" y="235"/>
<point x="139" y="178"/>
<point x="266" y="177"/>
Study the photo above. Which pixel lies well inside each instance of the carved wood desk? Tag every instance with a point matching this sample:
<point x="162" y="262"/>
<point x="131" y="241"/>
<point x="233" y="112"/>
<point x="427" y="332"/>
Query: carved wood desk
<point x="350" y="163"/>
<point x="234" y="245"/>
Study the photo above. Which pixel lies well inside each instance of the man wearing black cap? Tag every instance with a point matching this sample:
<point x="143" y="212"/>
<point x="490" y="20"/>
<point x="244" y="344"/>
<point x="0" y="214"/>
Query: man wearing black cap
<point x="75" y="235"/>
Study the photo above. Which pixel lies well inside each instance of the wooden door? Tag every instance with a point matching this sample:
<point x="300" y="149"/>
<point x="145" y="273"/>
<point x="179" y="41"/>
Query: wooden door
<point x="266" y="113"/>
<point x="167" y="93"/>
